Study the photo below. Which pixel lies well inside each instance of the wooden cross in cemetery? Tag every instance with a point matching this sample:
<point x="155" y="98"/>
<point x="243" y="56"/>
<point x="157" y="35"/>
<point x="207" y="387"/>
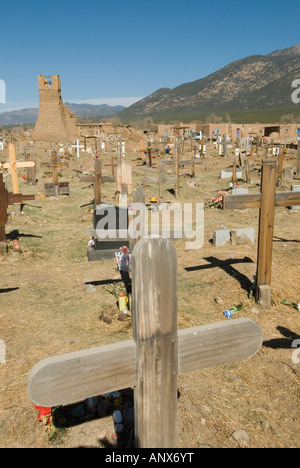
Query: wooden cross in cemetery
<point x="96" y="179"/>
<point x="266" y="201"/>
<point x="54" y="165"/>
<point x="13" y="165"/>
<point x="112" y="165"/>
<point x="148" y="150"/>
<point x="151" y="362"/>
<point x="5" y="200"/>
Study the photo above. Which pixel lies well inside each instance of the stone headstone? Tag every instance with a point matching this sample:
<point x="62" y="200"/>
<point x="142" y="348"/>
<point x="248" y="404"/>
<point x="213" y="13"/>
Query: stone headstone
<point x="239" y="190"/>
<point x="236" y="236"/>
<point x="295" y="188"/>
<point x="227" y="174"/>
<point x="110" y="231"/>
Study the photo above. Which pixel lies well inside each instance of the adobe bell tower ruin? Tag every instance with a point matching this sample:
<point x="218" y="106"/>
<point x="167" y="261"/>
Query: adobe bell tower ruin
<point x="55" y="120"/>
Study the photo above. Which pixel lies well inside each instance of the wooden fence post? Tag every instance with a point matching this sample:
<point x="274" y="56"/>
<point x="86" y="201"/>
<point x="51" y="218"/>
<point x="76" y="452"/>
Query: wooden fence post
<point x="177" y="157"/>
<point x="97" y="186"/>
<point x="280" y="165"/>
<point x="154" y="272"/>
<point x="298" y="160"/>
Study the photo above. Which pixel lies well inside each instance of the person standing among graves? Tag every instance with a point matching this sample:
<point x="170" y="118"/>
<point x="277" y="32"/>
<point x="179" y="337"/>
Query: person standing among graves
<point x="124" y="268"/>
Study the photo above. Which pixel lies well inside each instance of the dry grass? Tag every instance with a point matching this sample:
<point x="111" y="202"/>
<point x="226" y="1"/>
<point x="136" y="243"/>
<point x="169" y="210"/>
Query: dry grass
<point x="51" y="313"/>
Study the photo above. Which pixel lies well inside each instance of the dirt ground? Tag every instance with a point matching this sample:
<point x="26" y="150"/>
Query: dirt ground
<point x="47" y="308"/>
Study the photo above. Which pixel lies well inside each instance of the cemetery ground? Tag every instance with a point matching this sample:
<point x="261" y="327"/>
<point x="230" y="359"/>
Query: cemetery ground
<point x="52" y="298"/>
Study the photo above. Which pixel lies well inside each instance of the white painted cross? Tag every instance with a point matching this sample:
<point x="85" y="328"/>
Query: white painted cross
<point x="151" y="362"/>
<point x="248" y="140"/>
<point x="78" y="146"/>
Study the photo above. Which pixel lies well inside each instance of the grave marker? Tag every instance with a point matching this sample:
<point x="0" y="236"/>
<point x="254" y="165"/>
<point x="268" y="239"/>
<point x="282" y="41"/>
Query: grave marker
<point x="298" y="161"/>
<point x="152" y="360"/>
<point x="295" y="188"/>
<point x="110" y="231"/>
<point x="78" y="146"/>
<point x="266" y="202"/>
<point x="96" y="179"/>
<point x="13" y="165"/>
<point x="6" y="199"/>
<point x="55" y="164"/>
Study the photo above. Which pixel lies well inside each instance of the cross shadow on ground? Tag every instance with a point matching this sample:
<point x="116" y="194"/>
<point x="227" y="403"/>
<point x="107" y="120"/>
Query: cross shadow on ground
<point x="283" y="343"/>
<point x="226" y="265"/>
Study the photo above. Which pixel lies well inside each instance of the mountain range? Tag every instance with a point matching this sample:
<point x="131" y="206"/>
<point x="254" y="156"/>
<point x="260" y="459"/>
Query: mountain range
<point x="29" y="116"/>
<point x="252" y="88"/>
<point x="257" y="82"/>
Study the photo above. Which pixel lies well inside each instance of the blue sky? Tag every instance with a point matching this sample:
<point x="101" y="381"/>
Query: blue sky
<point x="117" y="52"/>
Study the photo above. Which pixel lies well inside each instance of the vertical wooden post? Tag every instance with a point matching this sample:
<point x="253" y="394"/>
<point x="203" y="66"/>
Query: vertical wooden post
<point x="247" y="171"/>
<point x="119" y="149"/>
<point x="234" y="171"/>
<point x="54" y="169"/>
<point x="139" y="201"/>
<point x="280" y="163"/>
<point x="112" y="166"/>
<point x="31" y="175"/>
<point x="266" y="227"/>
<point x="225" y="145"/>
<point x="149" y="154"/>
<point x="161" y="180"/>
<point x="97" y="183"/>
<point x="154" y="267"/>
<point x="256" y="144"/>
<point x="177" y="169"/>
<point x="3" y="210"/>
<point x="298" y="160"/>
<point x="13" y="168"/>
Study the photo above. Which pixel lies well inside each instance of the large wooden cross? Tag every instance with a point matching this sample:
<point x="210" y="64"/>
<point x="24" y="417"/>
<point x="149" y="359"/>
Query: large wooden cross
<point x="96" y="179"/>
<point x="54" y="165"/>
<point x="266" y="201"/>
<point x="5" y="200"/>
<point x="13" y="165"/>
<point x="151" y="362"/>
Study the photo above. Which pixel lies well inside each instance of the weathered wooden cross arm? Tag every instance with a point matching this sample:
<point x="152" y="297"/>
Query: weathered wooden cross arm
<point x="253" y="200"/>
<point x="72" y="377"/>
<point x="13" y="165"/>
<point x="152" y="360"/>
<point x="55" y="164"/>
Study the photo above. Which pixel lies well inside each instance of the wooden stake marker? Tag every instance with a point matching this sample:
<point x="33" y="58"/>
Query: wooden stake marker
<point x="152" y="360"/>
<point x="266" y="202"/>
<point x="54" y="165"/>
<point x="6" y="199"/>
